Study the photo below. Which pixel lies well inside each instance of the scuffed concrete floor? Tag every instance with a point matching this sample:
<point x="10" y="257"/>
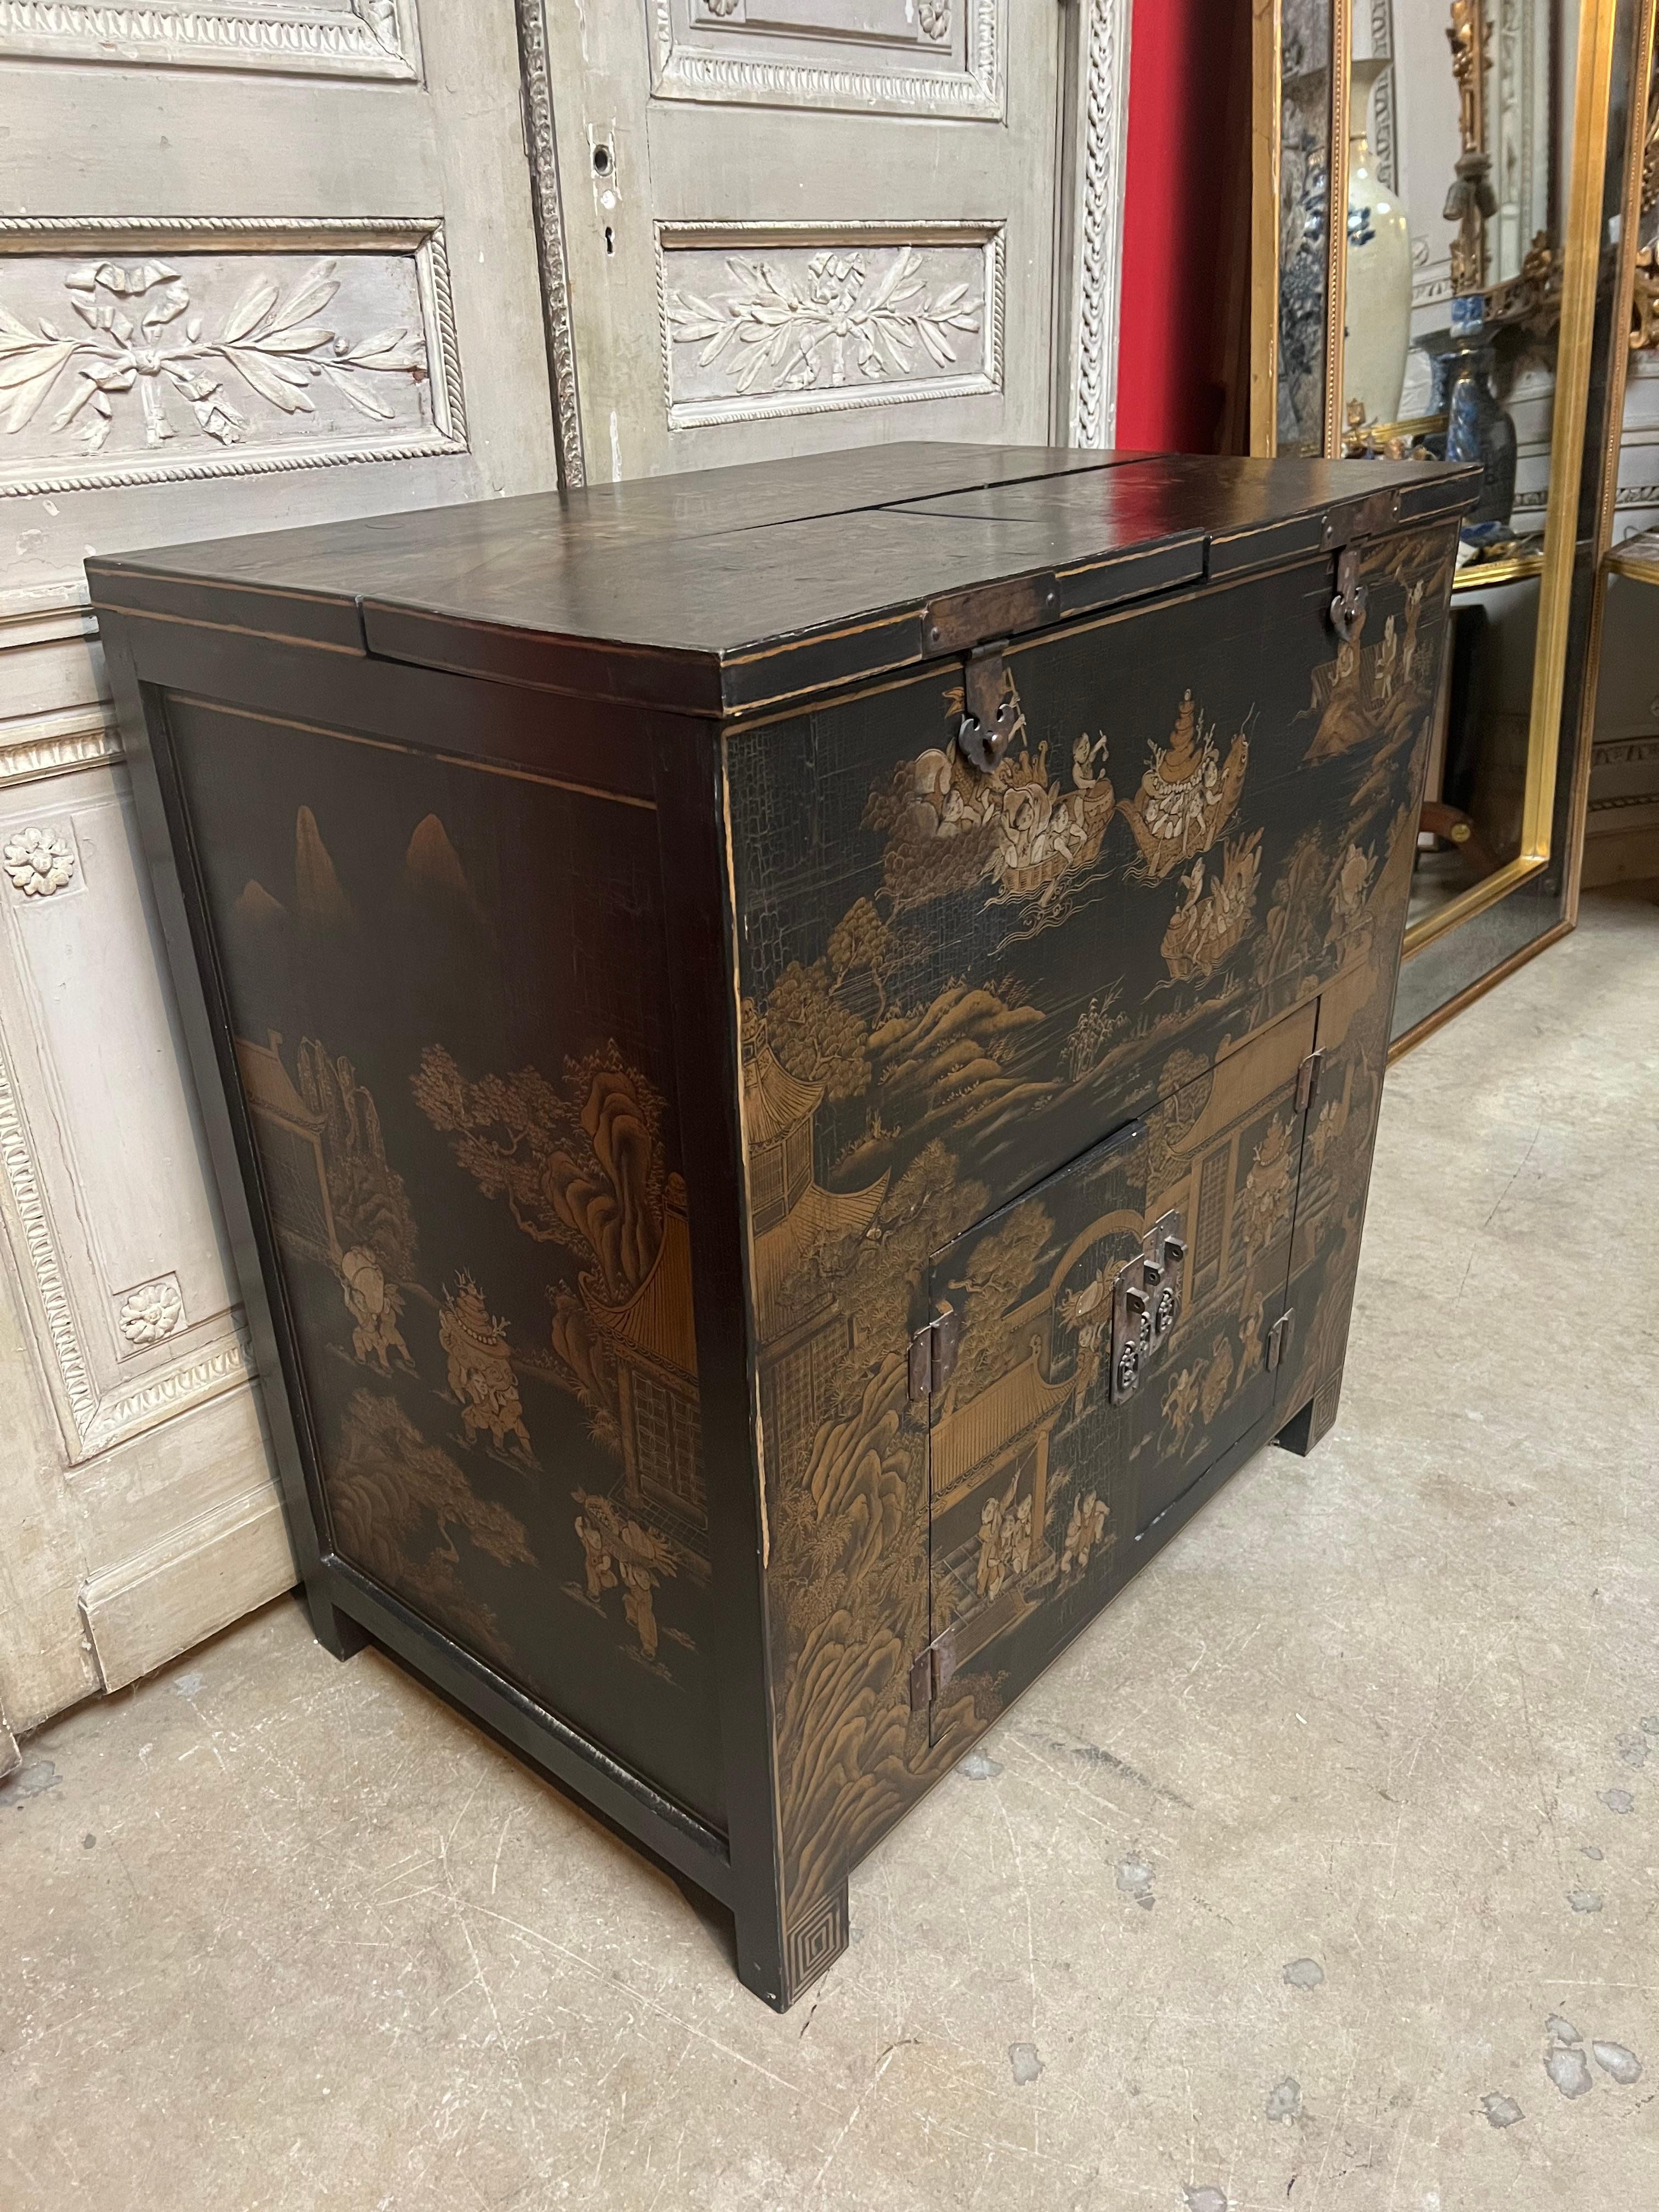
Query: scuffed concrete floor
<point x="1321" y="1873"/>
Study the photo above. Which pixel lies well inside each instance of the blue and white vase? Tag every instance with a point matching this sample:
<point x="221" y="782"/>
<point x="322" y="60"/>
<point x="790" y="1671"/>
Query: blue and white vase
<point x="1478" y="427"/>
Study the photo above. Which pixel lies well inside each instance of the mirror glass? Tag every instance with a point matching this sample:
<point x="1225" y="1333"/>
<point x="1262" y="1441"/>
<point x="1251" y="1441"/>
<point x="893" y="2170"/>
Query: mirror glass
<point x="1459" y="126"/>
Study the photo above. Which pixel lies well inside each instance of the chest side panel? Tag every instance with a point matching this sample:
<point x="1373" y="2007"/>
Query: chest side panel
<point x="451" y="1036"/>
<point x="954" y="983"/>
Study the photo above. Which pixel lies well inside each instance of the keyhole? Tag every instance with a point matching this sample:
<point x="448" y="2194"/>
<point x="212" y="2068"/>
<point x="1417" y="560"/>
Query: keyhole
<point x="610" y="241"/>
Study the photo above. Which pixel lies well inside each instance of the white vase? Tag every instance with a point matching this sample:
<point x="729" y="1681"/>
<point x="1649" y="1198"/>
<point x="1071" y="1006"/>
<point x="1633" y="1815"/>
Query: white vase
<point x="1378" y="321"/>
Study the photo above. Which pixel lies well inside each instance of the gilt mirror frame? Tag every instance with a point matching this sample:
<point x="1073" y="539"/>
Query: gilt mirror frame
<point x="1301" y="64"/>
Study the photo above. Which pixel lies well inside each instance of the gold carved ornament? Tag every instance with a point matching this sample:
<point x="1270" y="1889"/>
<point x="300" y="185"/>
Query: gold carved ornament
<point x="1644" y="298"/>
<point x="1472" y="200"/>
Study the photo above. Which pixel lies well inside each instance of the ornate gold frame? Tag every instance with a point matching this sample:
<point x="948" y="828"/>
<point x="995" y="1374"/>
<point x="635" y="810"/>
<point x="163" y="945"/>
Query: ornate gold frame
<point x="1580" y="259"/>
<point x="1266" y="114"/>
<point x="1638" y="558"/>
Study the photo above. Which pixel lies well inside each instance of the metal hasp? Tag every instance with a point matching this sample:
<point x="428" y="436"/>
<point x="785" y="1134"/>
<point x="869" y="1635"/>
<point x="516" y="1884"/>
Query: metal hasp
<point x="1348" y="607"/>
<point x="930" y="1670"/>
<point x="1279" y="1337"/>
<point x="1145" y="1305"/>
<point x="933" y="1352"/>
<point x="988" y="722"/>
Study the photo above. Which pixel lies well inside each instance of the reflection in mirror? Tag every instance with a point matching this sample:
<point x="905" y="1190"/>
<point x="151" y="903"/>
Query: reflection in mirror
<point x="1457" y="124"/>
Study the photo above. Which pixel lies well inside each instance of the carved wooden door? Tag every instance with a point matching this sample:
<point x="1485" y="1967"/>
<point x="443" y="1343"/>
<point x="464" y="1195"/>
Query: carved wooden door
<point x="278" y="266"/>
<point x="781" y="225"/>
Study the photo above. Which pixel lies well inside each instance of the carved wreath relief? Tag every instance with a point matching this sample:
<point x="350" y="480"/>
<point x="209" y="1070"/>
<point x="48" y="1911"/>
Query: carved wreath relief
<point x="933" y="1024"/>
<point x="838" y="319"/>
<point x="848" y="315"/>
<point x="143" y="336"/>
<point x="337" y="37"/>
<point x="197" y="347"/>
<point x="866" y="56"/>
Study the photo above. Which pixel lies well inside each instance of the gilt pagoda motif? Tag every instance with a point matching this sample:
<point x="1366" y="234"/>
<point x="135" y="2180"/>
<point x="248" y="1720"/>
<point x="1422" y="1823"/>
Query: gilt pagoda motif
<point x="989" y="1573"/>
<point x="653" y="1338"/>
<point x="798" y="1226"/>
<point x="335" y="1196"/>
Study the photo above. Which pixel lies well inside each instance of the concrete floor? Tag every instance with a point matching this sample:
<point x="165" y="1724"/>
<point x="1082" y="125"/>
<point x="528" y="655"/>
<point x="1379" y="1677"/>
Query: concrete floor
<point x="1321" y="1873"/>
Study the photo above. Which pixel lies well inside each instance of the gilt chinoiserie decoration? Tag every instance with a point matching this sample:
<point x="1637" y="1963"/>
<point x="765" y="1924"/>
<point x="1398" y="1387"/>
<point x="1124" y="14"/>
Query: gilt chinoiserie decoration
<point x="783" y="1135"/>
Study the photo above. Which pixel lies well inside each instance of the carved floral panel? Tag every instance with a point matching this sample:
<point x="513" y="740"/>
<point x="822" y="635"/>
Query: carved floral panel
<point x="765" y="321"/>
<point x="131" y="353"/>
<point x="893" y="57"/>
<point x="152" y="1311"/>
<point x="39" y="859"/>
<point x="323" y="37"/>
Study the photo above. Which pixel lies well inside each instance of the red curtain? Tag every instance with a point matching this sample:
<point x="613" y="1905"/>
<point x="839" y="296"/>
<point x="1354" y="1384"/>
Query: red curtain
<point x="1185" y="224"/>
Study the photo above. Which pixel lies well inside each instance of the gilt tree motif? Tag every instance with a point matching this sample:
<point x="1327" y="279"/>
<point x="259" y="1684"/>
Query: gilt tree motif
<point x="580" y="1166"/>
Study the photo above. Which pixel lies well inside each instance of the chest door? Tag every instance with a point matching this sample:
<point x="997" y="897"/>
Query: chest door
<point x="1227" y="1152"/>
<point x="1095" y="1348"/>
<point x="1025" y="1449"/>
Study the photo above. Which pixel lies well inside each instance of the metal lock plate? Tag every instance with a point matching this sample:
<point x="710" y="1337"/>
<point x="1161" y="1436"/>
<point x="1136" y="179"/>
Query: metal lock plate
<point x="1163" y="1258"/>
<point x="932" y="1669"/>
<point x="1132" y="1330"/>
<point x="1307" y="1082"/>
<point x="1362" y="518"/>
<point x="1147" y="1305"/>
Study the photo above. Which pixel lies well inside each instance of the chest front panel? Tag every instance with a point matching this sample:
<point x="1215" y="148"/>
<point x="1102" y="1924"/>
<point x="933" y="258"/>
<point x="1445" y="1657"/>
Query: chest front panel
<point x="954" y="984"/>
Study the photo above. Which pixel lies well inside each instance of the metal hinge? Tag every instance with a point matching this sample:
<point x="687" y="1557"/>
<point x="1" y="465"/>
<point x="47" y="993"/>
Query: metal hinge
<point x="1279" y="1337"/>
<point x="932" y="1669"/>
<point x="1361" y="518"/>
<point x="933" y="1352"/>
<point x="1307" y="1081"/>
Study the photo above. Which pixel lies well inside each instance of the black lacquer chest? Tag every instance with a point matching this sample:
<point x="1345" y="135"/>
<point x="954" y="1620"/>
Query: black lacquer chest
<point x="792" y="1057"/>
